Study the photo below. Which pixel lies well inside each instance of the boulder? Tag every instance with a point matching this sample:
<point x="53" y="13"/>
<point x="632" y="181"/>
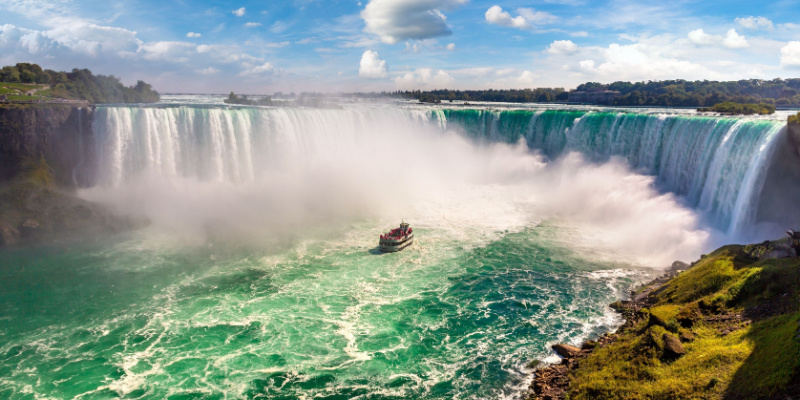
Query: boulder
<point x="678" y="266"/>
<point x="29" y="228"/>
<point x="687" y="336"/>
<point x="566" y="351"/>
<point x="672" y="346"/>
<point x="775" y="253"/>
<point x="9" y="236"/>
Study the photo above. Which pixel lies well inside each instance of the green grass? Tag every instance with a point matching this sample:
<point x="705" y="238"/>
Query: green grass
<point x="794" y="119"/>
<point x="20" y="86"/>
<point x="712" y="276"/>
<point x="730" y="360"/>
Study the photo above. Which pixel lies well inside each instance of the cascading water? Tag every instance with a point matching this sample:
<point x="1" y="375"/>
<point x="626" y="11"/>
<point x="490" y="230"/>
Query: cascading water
<point x="717" y="164"/>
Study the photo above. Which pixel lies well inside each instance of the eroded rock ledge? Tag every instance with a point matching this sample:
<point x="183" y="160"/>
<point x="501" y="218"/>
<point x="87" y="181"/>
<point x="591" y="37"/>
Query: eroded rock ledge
<point x="726" y="328"/>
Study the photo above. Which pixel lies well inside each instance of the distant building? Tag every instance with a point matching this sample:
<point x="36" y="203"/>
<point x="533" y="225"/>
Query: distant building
<point x="593" y="97"/>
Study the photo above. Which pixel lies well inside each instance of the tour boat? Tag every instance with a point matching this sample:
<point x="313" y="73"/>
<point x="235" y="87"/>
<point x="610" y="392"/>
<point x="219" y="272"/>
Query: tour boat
<point x="397" y="239"/>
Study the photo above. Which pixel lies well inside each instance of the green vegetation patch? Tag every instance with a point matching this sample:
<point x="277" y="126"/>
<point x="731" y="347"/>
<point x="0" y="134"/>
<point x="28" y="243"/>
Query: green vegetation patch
<point x="709" y="277"/>
<point x="19" y="86"/>
<point x="79" y="84"/>
<point x="794" y="119"/>
<point x="243" y="100"/>
<point x="634" y="367"/>
<point x="740" y="109"/>
<point x="710" y="308"/>
<point x="774" y="361"/>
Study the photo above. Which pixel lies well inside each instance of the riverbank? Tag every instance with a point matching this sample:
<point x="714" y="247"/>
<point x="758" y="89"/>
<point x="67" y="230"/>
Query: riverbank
<point x="726" y="328"/>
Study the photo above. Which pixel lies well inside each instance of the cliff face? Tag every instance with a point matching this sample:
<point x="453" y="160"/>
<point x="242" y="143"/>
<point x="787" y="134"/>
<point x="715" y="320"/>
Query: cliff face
<point x="778" y="201"/>
<point x="794" y="136"/>
<point x="62" y="134"/>
<point x="45" y="153"/>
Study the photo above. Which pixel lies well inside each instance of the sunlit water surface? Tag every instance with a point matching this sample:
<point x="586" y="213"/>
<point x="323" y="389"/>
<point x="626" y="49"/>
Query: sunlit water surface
<point x="457" y="315"/>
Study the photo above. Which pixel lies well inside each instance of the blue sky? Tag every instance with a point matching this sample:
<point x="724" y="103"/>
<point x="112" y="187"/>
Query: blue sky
<point x="313" y="45"/>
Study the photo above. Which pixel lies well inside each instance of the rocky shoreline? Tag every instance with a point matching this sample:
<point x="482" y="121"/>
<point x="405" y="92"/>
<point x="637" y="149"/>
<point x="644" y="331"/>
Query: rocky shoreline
<point x="678" y="322"/>
<point x="551" y="382"/>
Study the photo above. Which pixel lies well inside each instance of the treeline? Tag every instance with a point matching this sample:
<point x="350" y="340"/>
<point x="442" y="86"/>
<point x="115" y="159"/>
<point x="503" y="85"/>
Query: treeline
<point x="682" y="93"/>
<point x="243" y="100"/>
<point x="794" y="119"/>
<point x="739" y="108"/>
<point x="539" y="95"/>
<point x="80" y="84"/>
<point x="670" y="93"/>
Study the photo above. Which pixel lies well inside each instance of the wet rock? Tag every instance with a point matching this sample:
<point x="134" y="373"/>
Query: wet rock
<point x="776" y="253"/>
<point x="550" y="383"/>
<point x="672" y="346"/>
<point x="30" y="228"/>
<point x="678" y="266"/>
<point x="9" y="236"/>
<point x="566" y="351"/>
<point x="794" y="135"/>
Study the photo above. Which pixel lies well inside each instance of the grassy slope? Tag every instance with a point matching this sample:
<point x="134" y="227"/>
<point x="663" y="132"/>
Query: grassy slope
<point x="18" y="91"/>
<point x="731" y="359"/>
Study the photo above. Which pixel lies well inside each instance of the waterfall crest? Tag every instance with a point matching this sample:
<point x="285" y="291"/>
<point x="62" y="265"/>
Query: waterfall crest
<point x="717" y="164"/>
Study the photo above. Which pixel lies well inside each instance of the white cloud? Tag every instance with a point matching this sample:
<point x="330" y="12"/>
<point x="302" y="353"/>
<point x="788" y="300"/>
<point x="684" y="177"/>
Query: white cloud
<point x="644" y="60"/>
<point x="451" y="46"/>
<point x="513" y="79"/>
<point x="496" y="15"/>
<point x="562" y="47"/>
<point x="536" y="17"/>
<point x="71" y="40"/>
<point x="424" y="78"/>
<point x="526" y="78"/>
<point x="398" y="20"/>
<point x="525" y="20"/>
<point x="586" y="65"/>
<point x="193" y="35"/>
<point x="734" y="40"/>
<point x="167" y="51"/>
<point x="699" y="37"/>
<point x="790" y="55"/>
<point x="279" y="27"/>
<point x="755" y="23"/>
<point x="252" y="24"/>
<point x="207" y="71"/>
<point x="731" y="40"/>
<point x="372" y="66"/>
<point x="240" y="12"/>
<point x="278" y="45"/>
<point x="579" y="34"/>
<point x="265" y="68"/>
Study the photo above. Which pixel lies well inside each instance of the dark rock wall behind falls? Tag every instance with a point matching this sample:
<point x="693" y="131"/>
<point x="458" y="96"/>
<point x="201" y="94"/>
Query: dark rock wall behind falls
<point x="62" y="134"/>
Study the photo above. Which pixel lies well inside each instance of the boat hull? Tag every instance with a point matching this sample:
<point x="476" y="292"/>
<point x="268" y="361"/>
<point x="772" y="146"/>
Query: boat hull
<point x="393" y="246"/>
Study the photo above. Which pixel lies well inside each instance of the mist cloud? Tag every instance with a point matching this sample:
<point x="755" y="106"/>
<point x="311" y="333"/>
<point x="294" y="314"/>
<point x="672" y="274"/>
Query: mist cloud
<point x="318" y="169"/>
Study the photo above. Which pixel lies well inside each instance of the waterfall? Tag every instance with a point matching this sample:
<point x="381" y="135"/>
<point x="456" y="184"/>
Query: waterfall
<point x="716" y="164"/>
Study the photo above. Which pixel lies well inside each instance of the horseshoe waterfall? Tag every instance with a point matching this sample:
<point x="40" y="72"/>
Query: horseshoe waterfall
<point x="259" y="277"/>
